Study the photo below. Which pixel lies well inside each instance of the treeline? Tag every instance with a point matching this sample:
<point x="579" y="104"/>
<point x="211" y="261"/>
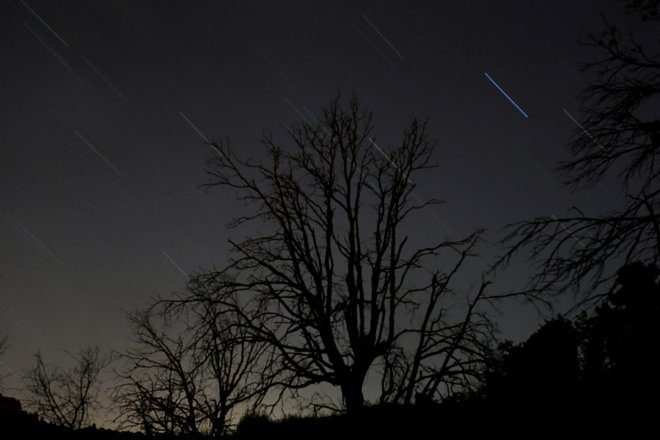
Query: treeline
<point x="591" y="374"/>
<point x="597" y="369"/>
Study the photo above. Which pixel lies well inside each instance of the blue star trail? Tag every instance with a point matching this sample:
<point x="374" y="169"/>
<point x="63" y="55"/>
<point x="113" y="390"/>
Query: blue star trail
<point x="506" y="95"/>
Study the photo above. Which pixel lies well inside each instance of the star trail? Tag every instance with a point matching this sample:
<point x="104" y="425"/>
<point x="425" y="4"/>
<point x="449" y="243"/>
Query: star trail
<point x="506" y="95"/>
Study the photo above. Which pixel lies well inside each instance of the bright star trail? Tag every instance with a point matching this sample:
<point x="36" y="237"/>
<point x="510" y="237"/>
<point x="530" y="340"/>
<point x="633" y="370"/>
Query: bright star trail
<point x="383" y="36"/>
<point x="45" y="24"/>
<point x="108" y="108"/>
<point x="50" y="49"/>
<point x="40" y="244"/>
<point x="506" y="95"/>
<point x="174" y="263"/>
<point x="582" y="128"/>
<point x="194" y="127"/>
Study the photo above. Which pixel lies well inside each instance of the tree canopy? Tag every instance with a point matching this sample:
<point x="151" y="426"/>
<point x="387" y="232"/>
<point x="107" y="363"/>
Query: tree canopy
<point x="327" y="276"/>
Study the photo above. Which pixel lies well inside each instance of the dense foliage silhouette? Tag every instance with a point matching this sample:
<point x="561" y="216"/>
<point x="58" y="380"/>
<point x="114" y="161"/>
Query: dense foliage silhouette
<point x="598" y="366"/>
<point x="618" y="341"/>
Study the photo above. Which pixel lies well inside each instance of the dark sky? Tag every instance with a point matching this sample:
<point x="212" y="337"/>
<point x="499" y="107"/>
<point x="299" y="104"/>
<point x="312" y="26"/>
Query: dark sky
<point x="104" y="106"/>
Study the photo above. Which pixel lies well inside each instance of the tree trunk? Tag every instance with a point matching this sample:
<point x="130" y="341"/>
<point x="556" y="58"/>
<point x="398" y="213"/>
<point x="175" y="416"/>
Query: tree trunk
<point x="351" y="392"/>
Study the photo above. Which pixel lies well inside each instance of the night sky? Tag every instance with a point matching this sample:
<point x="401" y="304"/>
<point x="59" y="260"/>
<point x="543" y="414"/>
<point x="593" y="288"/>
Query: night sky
<point x="105" y="105"/>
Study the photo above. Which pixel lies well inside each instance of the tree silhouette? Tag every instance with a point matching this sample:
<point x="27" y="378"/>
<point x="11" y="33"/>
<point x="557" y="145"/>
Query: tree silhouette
<point x="192" y="365"/>
<point x="538" y="375"/>
<point x="66" y="396"/>
<point x="597" y="371"/>
<point x="327" y="277"/>
<point x="618" y="340"/>
<point x="618" y="136"/>
<point x="158" y="386"/>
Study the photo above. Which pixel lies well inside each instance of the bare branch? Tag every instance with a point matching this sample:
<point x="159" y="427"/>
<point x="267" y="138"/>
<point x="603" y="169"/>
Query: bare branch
<point x="66" y="397"/>
<point x="330" y="282"/>
<point x="618" y="135"/>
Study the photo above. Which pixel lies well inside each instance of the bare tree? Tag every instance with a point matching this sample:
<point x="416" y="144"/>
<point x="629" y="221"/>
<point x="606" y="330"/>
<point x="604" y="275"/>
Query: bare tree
<point x="618" y="135"/>
<point x="66" y="396"/>
<point x="329" y="280"/>
<point x="192" y="367"/>
<point x="447" y="356"/>
<point x="159" y="385"/>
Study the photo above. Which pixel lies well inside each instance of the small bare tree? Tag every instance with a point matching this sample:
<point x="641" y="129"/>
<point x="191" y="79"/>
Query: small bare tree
<point x="327" y="277"/>
<point x="192" y="367"/>
<point x="158" y="388"/>
<point x="66" y="396"/>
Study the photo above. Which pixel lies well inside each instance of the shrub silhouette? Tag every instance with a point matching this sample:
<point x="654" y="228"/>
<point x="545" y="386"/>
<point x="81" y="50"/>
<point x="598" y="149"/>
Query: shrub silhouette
<point x="598" y="367"/>
<point x="539" y="374"/>
<point x="619" y="341"/>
